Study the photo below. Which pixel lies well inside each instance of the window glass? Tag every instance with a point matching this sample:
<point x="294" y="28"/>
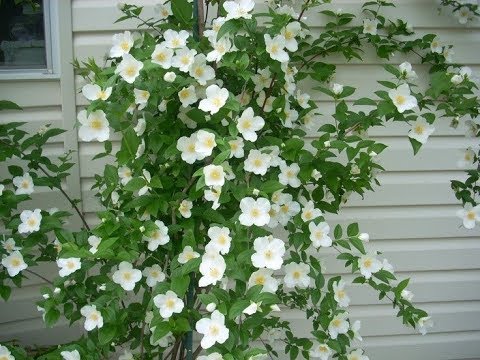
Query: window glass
<point x="22" y="35"/>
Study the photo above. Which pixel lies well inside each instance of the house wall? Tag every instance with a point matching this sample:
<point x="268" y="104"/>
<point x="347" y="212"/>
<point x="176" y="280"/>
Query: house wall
<point x="411" y="218"/>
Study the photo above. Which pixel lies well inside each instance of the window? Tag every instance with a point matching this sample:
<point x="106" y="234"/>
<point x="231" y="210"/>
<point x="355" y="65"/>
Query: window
<point x="25" y="41"/>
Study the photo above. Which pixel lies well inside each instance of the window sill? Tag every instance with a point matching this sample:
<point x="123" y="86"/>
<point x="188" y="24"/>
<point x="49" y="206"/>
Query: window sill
<point x="25" y="76"/>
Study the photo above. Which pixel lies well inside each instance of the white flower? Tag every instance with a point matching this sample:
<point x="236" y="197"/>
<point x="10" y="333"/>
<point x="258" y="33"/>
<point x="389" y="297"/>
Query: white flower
<point x="24" y="184"/>
<point x="212" y="268"/>
<point x="265" y="103"/>
<point x="93" y="317"/>
<point x="303" y="99"/>
<point x="187" y="254"/>
<point x="122" y="43"/>
<point x="14" y="263"/>
<point x="448" y="54"/>
<point x="236" y="148"/>
<point x="424" y="324"/>
<point x="269" y="253"/>
<point x="129" y="68"/>
<point x="164" y="10"/>
<point x="69" y="355"/>
<point x="125" y="175"/>
<point x="289" y="33"/>
<point x="319" y="234"/>
<point x="201" y="71"/>
<point x="94" y="126"/>
<point x="369" y="265"/>
<point x="421" y="130"/>
<point x="355" y="327"/>
<point x="265" y="278"/>
<point x="364" y="237"/>
<point x="187" y="96"/>
<point x="205" y="143"/>
<point x="162" y="56"/>
<point x="248" y="124"/>
<point x="469" y="215"/>
<point x="9" y="245"/>
<point x="357" y="355"/>
<point x="169" y="77"/>
<point x="337" y="88"/>
<point x="220" y="48"/>
<point x="212" y="33"/>
<point x="186" y="145"/>
<point x="289" y="175"/>
<point x="320" y="351"/>
<point x="407" y="295"/>
<point x="94" y="92"/>
<point x="220" y="239"/>
<point x="338" y="325"/>
<point x="174" y="39"/>
<point x="216" y="98"/>
<point x="157" y="237"/>
<point x="126" y="276"/>
<point x="467" y="160"/>
<point x="31" y="221"/>
<point x="463" y="15"/>
<point x="252" y="308"/>
<point x="296" y="275"/>
<point x="387" y="266"/>
<point x="185" y="208"/>
<point x="286" y="208"/>
<point x="370" y="26"/>
<point x="436" y="46"/>
<point x="213" y="195"/>
<point x="309" y="212"/>
<point x="183" y="59"/>
<point x="141" y="98"/>
<point x="213" y="330"/>
<point x="257" y="162"/>
<point x="168" y="304"/>
<point x="407" y="72"/>
<point x="238" y="9"/>
<point x="276" y="48"/>
<point x="140" y="127"/>
<point x="402" y="98"/>
<point x="254" y="212"/>
<point x="262" y="79"/>
<point x="68" y="266"/>
<point x="5" y="354"/>
<point x="339" y="293"/>
<point x="2" y="187"/>
<point x="214" y="175"/>
<point x="154" y="275"/>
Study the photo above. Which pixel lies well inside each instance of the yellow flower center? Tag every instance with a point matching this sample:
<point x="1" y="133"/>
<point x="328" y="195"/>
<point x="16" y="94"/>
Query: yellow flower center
<point x="255" y="213"/>
<point x="185" y="60"/>
<point x="246" y="124"/>
<point x="323" y="348"/>
<point x="170" y="303"/>
<point x="131" y="70"/>
<point x="400" y="99"/>
<point x="214" y="330"/>
<point x="102" y="95"/>
<point x="257" y="162"/>
<point x="96" y="124"/>
<point x="125" y="46"/>
<point x="217" y="101"/>
<point x="222" y="240"/>
<point x="260" y="280"/>
<point x="160" y="57"/>
<point x="215" y="174"/>
<point x="274" y="49"/>
<point x="341" y="294"/>
<point x="210" y="142"/>
<point x="94" y="316"/>
<point x="288" y="35"/>
<point x="471" y="215"/>
<point x="32" y="222"/>
<point x="15" y="262"/>
<point x="285" y="208"/>
<point x="176" y="42"/>
<point x="233" y="146"/>
<point x="184" y="94"/>
<point x="70" y="265"/>
<point x="155" y="235"/>
<point x="296" y="274"/>
<point x="268" y="254"/>
<point x="154" y="274"/>
<point x="25" y="184"/>
<point x="191" y="148"/>
<point x="367" y="263"/>
<point x="419" y="129"/>
<point x="199" y="71"/>
<point x="336" y="322"/>
<point x="290" y="174"/>
<point x="319" y="234"/>
<point x="127" y="276"/>
<point x="308" y="214"/>
<point x="214" y="272"/>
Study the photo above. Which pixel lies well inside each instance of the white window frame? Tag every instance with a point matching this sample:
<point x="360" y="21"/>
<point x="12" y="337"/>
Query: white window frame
<point x="52" y="49"/>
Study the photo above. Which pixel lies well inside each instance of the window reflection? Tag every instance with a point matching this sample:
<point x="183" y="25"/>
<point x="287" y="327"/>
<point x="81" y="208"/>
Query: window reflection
<point x="22" y="35"/>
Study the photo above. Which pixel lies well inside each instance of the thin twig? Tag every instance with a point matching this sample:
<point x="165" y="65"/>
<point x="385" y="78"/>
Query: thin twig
<point x="38" y="275"/>
<point x="142" y="335"/>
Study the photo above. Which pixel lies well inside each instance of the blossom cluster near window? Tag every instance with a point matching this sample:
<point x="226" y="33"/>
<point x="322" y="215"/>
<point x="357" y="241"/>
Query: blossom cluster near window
<point x="216" y="198"/>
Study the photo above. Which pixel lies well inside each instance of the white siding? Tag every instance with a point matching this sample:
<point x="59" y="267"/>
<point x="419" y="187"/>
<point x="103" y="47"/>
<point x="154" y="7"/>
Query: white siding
<point x="411" y="218"/>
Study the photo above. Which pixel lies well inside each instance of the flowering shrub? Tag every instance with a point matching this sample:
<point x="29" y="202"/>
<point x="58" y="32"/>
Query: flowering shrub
<point x="215" y="202"/>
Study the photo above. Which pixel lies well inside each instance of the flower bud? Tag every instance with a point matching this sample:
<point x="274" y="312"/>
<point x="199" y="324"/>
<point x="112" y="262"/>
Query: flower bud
<point x="255" y="192"/>
<point x="142" y="228"/>
<point x="275" y="307"/>
<point x="407" y="295"/>
<point x="364" y="237"/>
<point x="326" y="143"/>
<point x="211" y="307"/>
<point x="169" y="77"/>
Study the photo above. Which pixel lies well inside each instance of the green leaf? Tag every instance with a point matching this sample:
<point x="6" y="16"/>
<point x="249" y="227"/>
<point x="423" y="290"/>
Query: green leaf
<point x="416" y="145"/>
<point x="180" y="285"/>
<point x="161" y="330"/>
<point x="352" y="229"/>
<point x="135" y="184"/>
<point x="365" y="101"/>
<point x="231" y="26"/>
<point x="182" y="10"/>
<point x="51" y="316"/>
<point x="237" y="308"/>
<point x="358" y="244"/>
<point x="15" y="170"/>
<point x="5" y="291"/>
<point x="270" y="186"/>
<point x="106" y="334"/>
<point x="8" y="105"/>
